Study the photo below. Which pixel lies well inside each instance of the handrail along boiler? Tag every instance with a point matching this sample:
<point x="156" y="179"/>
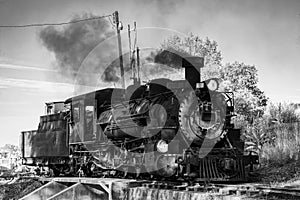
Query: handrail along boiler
<point x="163" y="129"/>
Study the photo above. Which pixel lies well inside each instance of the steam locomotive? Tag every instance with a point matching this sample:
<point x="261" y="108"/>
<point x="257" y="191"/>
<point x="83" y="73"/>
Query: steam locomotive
<point x="164" y="129"/>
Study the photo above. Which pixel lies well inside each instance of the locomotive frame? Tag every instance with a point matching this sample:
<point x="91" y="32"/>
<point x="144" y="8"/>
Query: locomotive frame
<point x="165" y="129"/>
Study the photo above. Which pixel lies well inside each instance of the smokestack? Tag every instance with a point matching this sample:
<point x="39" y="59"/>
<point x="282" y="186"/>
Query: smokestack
<point x="192" y="67"/>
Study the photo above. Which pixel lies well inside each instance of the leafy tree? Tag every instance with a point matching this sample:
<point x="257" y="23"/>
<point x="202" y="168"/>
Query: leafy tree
<point x="11" y="149"/>
<point x="250" y="101"/>
<point x="242" y="79"/>
<point x="193" y="45"/>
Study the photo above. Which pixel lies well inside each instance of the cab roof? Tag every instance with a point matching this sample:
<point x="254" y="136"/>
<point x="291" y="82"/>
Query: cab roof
<point x="102" y="95"/>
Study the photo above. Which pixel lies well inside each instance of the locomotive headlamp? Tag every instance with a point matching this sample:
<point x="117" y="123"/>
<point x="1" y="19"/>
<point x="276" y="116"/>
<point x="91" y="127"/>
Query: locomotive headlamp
<point x="162" y="146"/>
<point x="212" y="84"/>
<point x="180" y="160"/>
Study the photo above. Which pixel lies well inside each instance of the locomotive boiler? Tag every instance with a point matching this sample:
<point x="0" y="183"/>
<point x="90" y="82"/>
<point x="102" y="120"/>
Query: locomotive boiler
<point x="164" y="129"/>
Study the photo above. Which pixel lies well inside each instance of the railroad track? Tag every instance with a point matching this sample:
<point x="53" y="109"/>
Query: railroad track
<point x="221" y="189"/>
<point x="260" y="189"/>
<point x="249" y="189"/>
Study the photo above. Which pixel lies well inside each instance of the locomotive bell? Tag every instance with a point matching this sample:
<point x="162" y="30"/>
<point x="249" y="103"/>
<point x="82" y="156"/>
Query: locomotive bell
<point x="192" y="67"/>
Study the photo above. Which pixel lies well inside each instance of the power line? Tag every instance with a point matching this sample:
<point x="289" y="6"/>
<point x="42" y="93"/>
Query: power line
<point x="54" y="24"/>
<point x="112" y="24"/>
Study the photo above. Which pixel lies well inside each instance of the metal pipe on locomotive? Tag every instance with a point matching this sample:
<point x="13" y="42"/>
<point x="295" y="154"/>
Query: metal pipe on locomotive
<point x="164" y="129"/>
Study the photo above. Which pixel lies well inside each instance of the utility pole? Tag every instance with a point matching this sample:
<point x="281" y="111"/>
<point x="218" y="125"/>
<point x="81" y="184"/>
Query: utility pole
<point x="134" y="64"/>
<point x="138" y="65"/>
<point x="119" y="27"/>
<point x="131" y="54"/>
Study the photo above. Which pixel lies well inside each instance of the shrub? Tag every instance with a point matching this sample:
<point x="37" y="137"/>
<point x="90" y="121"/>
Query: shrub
<point x="276" y="135"/>
<point x="256" y="135"/>
<point x="286" y="145"/>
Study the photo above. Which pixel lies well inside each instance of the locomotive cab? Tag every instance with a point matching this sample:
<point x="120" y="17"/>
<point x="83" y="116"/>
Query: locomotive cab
<point x="55" y="107"/>
<point x="85" y="112"/>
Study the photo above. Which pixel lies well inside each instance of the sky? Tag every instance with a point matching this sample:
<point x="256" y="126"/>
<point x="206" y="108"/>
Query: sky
<point x="264" y="33"/>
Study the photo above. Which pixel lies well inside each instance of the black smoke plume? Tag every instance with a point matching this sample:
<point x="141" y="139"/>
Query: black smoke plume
<point x="169" y="57"/>
<point x="72" y="43"/>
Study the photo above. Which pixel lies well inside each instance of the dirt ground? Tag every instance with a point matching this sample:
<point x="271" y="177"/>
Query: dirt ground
<point x="280" y="175"/>
<point x="18" y="189"/>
